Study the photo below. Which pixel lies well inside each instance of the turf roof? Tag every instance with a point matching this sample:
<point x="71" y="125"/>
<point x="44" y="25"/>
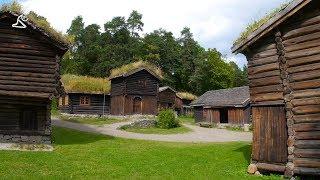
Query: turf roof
<point x="40" y="22"/>
<point x="256" y="24"/>
<point x="85" y="84"/>
<point x="187" y="96"/>
<point x="129" y="69"/>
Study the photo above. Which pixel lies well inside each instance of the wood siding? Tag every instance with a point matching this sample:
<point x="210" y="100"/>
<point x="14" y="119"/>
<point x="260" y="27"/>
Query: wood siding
<point x="166" y="99"/>
<point x="236" y="116"/>
<point x="95" y="106"/>
<point x="28" y="64"/>
<point x="270" y="135"/>
<point x="284" y="68"/>
<point x="141" y="84"/>
<point x="11" y="114"/>
<point x="198" y="114"/>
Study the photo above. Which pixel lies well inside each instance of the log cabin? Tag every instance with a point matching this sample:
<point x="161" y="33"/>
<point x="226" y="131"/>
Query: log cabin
<point x="182" y="103"/>
<point x="224" y="106"/>
<point x="29" y="79"/>
<point x="166" y="98"/>
<point x="284" y="73"/>
<point x="85" y="95"/>
<point x="134" y="89"/>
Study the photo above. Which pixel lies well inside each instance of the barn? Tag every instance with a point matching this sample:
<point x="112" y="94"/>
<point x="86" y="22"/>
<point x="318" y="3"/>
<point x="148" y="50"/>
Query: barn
<point x="166" y="98"/>
<point x="182" y="103"/>
<point x="85" y="95"/>
<point x="134" y="89"/>
<point x="283" y="55"/>
<point x="225" y="106"/>
<point x="29" y="78"/>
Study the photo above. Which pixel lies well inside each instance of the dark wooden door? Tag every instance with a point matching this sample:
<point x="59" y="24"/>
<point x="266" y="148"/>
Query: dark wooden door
<point x="28" y="120"/>
<point x="269" y="134"/>
<point x="137" y="105"/>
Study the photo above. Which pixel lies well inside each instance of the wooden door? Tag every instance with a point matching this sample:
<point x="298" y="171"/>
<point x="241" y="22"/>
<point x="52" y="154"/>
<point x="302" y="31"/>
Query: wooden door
<point x="137" y="105"/>
<point x="269" y="134"/>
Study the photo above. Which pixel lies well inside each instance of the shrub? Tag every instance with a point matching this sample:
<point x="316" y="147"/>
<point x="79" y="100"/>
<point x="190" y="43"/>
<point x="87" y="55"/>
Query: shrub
<point x="167" y="119"/>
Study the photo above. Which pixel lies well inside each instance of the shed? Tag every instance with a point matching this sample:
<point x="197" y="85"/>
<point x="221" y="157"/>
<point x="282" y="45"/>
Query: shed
<point x="166" y="98"/>
<point x="29" y="79"/>
<point x="85" y="95"/>
<point x="182" y="103"/>
<point x="134" y="89"/>
<point x="284" y="72"/>
<point x="228" y="106"/>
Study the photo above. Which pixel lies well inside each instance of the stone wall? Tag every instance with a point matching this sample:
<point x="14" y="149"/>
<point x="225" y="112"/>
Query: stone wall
<point x="4" y="138"/>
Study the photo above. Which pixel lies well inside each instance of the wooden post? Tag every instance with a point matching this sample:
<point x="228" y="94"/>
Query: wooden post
<point x="287" y="93"/>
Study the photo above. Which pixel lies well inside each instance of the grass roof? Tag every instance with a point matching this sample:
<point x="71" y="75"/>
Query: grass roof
<point x="129" y="68"/>
<point x="39" y="21"/>
<point x="256" y="24"/>
<point x="186" y="95"/>
<point x="85" y="84"/>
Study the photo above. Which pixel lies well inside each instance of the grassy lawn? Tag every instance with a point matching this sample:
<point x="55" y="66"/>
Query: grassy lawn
<point x="84" y="155"/>
<point x="187" y="120"/>
<point x="155" y="130"/>
<point x="91" y="120"/>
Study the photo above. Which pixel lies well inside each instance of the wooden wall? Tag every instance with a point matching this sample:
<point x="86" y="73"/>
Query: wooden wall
<point x="198" y="113"/>
<point x="28" y="63"/>
<point x="166" y="99"/>
<point x="124" y="89"/>
<point x="12" y="108"/>
<point x="95" y="107"/>
<point x="236" y="116"/>
<point x="284" y="73"/>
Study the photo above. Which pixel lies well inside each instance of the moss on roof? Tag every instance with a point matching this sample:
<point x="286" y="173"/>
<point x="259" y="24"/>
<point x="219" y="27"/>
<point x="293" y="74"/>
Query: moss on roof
<point x="39" y="21"/>
<point x="85" y="84"/>
<point x="186" y="95"/>
<point x="256" y="24"/>
<point x="127" y="69"/>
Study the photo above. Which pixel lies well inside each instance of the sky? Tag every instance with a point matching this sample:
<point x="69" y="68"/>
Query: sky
<point x="214" y="23"/>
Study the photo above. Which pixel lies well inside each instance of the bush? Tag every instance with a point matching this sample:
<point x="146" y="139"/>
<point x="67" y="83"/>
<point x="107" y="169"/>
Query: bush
<point x="167" y="119"/>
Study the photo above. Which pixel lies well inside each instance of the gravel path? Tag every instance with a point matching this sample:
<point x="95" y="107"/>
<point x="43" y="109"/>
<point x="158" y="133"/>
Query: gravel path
<point x="198" y="134"/>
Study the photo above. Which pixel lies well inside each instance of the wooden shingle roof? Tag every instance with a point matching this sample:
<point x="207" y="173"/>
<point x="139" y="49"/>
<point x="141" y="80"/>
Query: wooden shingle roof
<point x="234" y="97"/>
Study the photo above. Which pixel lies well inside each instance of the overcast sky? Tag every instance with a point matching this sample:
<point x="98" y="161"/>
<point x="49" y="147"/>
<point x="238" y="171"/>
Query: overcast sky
<point x="214" y="23"/>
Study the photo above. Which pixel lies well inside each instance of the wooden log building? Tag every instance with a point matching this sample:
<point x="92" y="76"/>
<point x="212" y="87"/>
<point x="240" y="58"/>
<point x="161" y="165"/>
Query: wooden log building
<point x="85" y="95"/>
<point x="134" y="89"/>
<point x="284" y="72"/>
<point x="225" y="106"/>
<point x="182" y="103"/>
<point x="166" y="98"/>
<point x="29" y="79"/>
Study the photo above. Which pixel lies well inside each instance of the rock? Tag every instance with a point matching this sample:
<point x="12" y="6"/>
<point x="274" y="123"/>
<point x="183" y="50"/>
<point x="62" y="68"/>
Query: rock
<point x="257" y="173"/>
<point x="252" y="168"/>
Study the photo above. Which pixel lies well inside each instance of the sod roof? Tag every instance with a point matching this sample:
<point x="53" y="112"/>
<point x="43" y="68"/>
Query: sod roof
<point x="129" y="69"/>
<point x="85" y="84"/>
<point x="186" y="95"/>
<point x="260" y="27"/>
<point x="36" y="22"/>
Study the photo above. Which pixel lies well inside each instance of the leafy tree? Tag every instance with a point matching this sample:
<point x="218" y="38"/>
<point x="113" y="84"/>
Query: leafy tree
<point x="240" y="76"/>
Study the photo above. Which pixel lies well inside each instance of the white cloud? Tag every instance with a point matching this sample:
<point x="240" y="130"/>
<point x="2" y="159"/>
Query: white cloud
<point x="214" y="23"/>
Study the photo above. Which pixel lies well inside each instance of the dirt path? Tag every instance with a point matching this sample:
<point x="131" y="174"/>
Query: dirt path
<point x="198" y="134"/>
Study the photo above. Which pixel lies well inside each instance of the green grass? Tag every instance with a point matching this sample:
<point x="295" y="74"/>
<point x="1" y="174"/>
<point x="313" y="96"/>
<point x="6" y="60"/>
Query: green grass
<point x="91" y="120"/>
<point x="83" y="155"/>
<point x="186" y="120"/>
<point x="155" y="130"/>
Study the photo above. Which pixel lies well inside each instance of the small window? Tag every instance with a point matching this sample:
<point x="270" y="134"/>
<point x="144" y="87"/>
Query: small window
<point x="60" y="101"/>
<point x="66" y="100"/>
<point x="84" y="100"/>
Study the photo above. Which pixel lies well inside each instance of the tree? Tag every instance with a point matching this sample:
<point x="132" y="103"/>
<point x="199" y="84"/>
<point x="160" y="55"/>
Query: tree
<point x="241" y="77"/>
<point x="211" y="73"/>
<point x="135" y="23"/>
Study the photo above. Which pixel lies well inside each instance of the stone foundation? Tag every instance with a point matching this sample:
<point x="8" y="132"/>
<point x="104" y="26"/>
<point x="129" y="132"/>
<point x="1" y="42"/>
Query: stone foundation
<point x="4" y="138"/>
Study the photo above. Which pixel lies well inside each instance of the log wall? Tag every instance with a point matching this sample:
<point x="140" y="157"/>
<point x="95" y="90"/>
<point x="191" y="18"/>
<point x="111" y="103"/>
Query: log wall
<point x="166" y="99"/>
<point x="284" y="73"/>
<point x="95" y="107"/>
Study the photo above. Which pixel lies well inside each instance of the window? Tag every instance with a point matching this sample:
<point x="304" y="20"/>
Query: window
<point x="66" y="100"/>
<point x="142" y="83"/>
<point x="84" y="100"/>
<point x="60" y="101"/>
